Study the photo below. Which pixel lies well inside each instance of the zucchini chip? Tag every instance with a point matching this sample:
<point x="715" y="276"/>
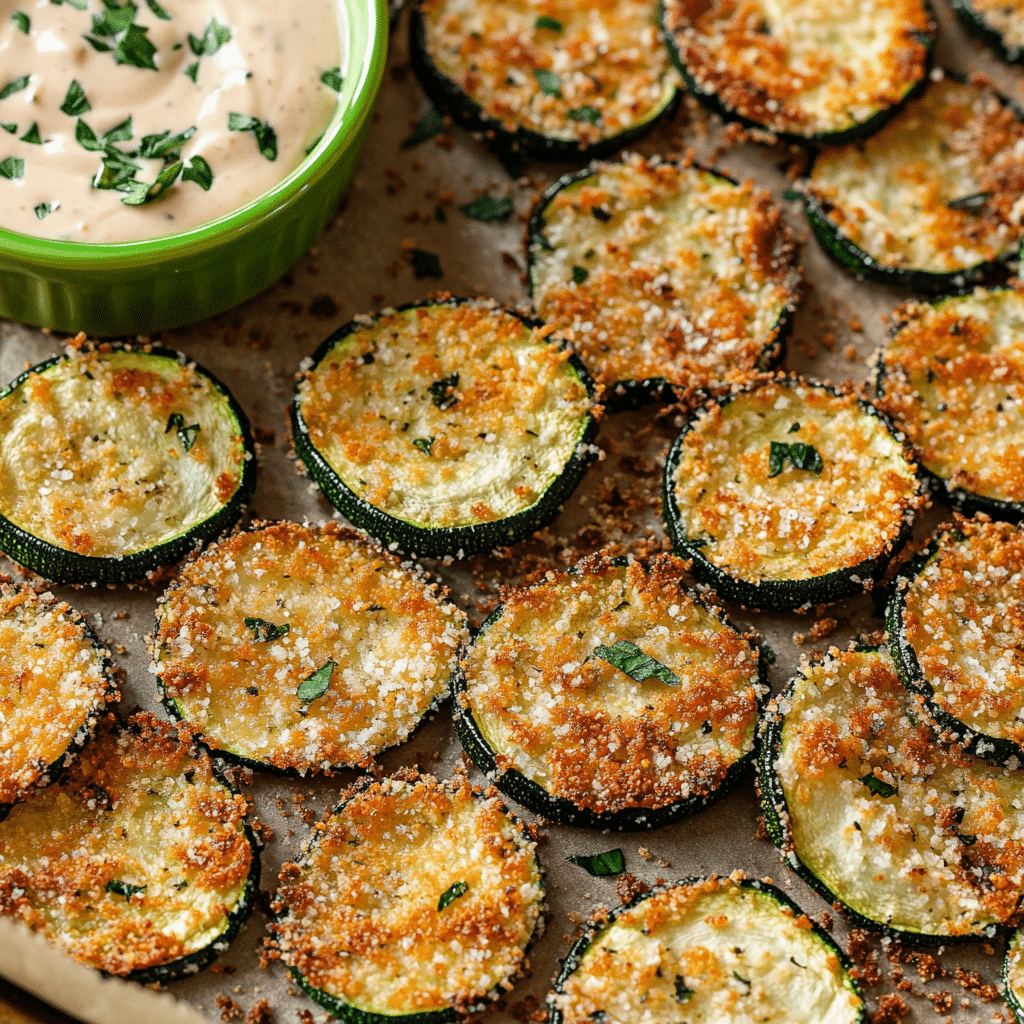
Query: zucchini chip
<point x="706" y="949"/>
<point x="445" y="428"/>
<point x="609" y="697"/>
<point x="415" y="902"/>
<point x="934" y="201"/>
<point x="956" y="629"/>
<point x="952" y="378"/>
<point x="914" y="837"/>
<point x="115" y="461"/>
<point x="302" y="649"/>
<point x="788" y="493"/>
<point x="662" y="274"/>
<point x="55" y="679"/>
<point x="1000" y="23"/>
<point x="802" y="71"/>
<point x="550" y="79"/>
<point x="139" y="864"/>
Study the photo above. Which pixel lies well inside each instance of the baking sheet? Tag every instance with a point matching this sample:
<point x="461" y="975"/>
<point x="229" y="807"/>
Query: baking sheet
<point x="405" y="198"/>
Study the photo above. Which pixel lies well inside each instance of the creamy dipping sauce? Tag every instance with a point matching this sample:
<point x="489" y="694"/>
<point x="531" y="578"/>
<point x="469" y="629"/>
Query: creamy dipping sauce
<point x="121" y="121"/>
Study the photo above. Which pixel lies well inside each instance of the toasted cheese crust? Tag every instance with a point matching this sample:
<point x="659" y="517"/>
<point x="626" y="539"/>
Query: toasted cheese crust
<point x="391" y="633"/>
<point x="797" y="524"/>
<point x="933" y="842"/>
<point x="137" y="860"/>
<point x="359" y="912"/>
<point x="88" y="464"/>
<point x="581" y="728"/>
<point x="952" y="377"/>
<point x="447" y="414"/>
<point x="603" y="71"/>
<point x="709" y="951"/>
<point x="687" y="273"/>
<point x="1005" y="17"/>
<point x="891" y="195"/>
<point x="807" y="68"/>
<point x="54" y="679"/>
<point x="963" y="617"/>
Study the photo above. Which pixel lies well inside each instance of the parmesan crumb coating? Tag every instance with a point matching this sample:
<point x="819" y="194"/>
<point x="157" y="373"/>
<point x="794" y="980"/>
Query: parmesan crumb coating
<point x="952" y="377"/>
<point x="557" y="712"/>
<point x="445" y="415"/>
<point x="963" y="617"/>
<point x="54" y="679"/>
<point x="90" y="461"/>
<point x="708" y="952"/>
<point x="688" y="274"/>
<point x="810" y="67"/>
<point x="310" y="596"/>
<point x="565" y="69"/>
<point x="940" y="188"/>
<point x="414" y="897"/>
<point x="796" y="524"/>
<point x="1005" y="17"/>
<point x="139" y="859"/>
<point x="907" y="831"/>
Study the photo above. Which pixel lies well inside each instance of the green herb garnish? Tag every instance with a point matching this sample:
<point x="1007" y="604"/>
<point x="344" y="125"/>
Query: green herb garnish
<point x="187" y="435"/>
<point x="451" y="894"/>
<point x="193" y="71"/>
<point x="972" y="203"/>
<point x="174" y="422"/>
<point x="79" y="5"/>
<point x="264" y="631"/>
<point x="315" y="685"/>
<point x="158" y="10"/>
<point x="32" y="135"/>
<point x="683" y="992"/>
<point x="164" y="144"/>
<point x="628" y="658"/>
<point x="441" y="391"/>
<point x="199" y="171"/>
<point x="89" y="140"/>
<point x="487" y="208"/>
<point x="116" y="171"/>
<point x="75" y="102"/>
<point x="802" y="456"/>
<point x="21" y="20"/>
<point x="15" y="86"/>
<point x="44" y="209"/>
<point x="12" y="168"/>
<point x="550" y="84"/>
<point x="601" y="865"/>
<point x="333" y="79"/>
<point x="115" y="31"/>
<point x="9" y="126"/>
<point x="585" y="113"/>
<point x="738" y="978"/>
<point x="791" y="195"/>
<point x="266" y="137"/>
<point x="768" y="652"/>
<point x="125" y="889"/>
<point x="215" y="36"/>
<point x="552" y="24"/>
<point x="966" y="839"/>
<point x="579" y="274"/>
<point x="425" y="264"/>
<point x="429" y="125"/>
<point x="793" y="429"/>
<point x="424" y="444"/>
<point x="877" y="786"/>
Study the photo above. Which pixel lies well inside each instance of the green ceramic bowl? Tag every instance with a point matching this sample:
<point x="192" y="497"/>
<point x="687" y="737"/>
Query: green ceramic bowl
<point x="127" y="288"/>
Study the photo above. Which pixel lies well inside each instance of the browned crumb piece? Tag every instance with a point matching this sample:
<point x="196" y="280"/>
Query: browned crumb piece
<point x="264" y="833"/>
<point x="229" y="1009"/>
<point x="629" y="887"/>
<point x="863" y="954"/>
<point x="760" y="832"/>
<point x="222" y="969"/>
<point x="305" y="1017"/>
<point x="823" y="628"/>
<point x="928" y="967"/>
<point x="524" y="1010"/>
<point x="827" y="921"/>
<point x="971" y="982"/>
<point x="260" y="1013"/>
<point x="941" y="1001"/>
<point x="891" y="1009"/>
<point x="263" y="436"/>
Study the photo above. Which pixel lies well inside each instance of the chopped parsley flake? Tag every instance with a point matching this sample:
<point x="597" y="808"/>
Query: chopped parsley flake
<point x="579" y="274"/>
<point x="12" y="168"/>
<point x="333" y="79"/>
<point x="215" y="36"/>
<point x="193" y="71"/>
<point x="20" y="18"/>
<point x="199" y="171"/>
<point x="966" y="839"/>
<point x="44" y="209"/>
<point x="315" y="685"/>
<point x="164" y="144"/>
<point x="972" y="203"/>
<point x="424" y="444"/>
<point x="487" y="208"/>
<point x="552" y="24"/>
<point x="9" y="126"/>
<point x="14" y="86"/>
<point x="600" y="865"/>
<point x="32" y="135"/>
<point x="75" y="102"/>
<point x="264" y="631"/>
<point x="429" y="125"/>
<point x="451" y="894"/>
<point x="441" y="391"/>
<point x="125" y="889"/>
<point x="628" y="658"/>
<point x="550" y="84"/>
<point x="114" y="31"/>
<point x="802" y="456"/>
<point x="585" y="113"/>
<point x="683" y="992"/>
<point x="187" y="435"/>
<point x="792" y="195"/>
<point x="266" y="137"/>
<point x="158" y="10"/>
<point x="877" y="786"/>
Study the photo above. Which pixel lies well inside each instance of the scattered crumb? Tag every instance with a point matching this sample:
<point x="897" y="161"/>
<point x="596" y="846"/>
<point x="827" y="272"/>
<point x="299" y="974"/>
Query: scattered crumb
<point x="260" y="1013"/>
<point x="629" y="887"/>
<point x="229" y="1009"/>
<point x="971" y="982"/>
<point x="222" y="969"/>
<point x="827" y="920"/>
<point x="863" y="954"/>
<point x="891" y="1009"/>
<point x="528" y="1009"/>
<point x="941" y="1001"/>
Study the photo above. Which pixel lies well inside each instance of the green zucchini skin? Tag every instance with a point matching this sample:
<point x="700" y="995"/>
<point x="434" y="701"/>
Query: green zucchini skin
<point x="1012" y="1001"/>
<point x="437" y="542"/>
<point x="574" y="957"/>
<point x="976" y="24"/>
<point x="525" y="142"/>
<point x="772" y="595"/>
<point x="59" y="565"/>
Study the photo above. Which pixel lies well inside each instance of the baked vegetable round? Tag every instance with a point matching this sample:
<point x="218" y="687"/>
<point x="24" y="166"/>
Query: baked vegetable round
<point x="802" y="71"/>
<point x="703" y="949"/>
<point x="445" y="428"/>
<point x="956" y="626"/>
<point x="916" y="838"/>
<point x="662" y="273"/>
<point x="788" y="493"/>
<point x="554" y="80"/>
<point x="1013" y="976"/>
<point x="301" y="649"/>
<point x="55" y="678"/>
<point x="952" y="378"/>
<point x="115" y="461"/>
<point x="933" y="201"/>
<point x="414" y="902"/>
<point x="609" y="697"/>
<point x="140" y="863"/>
<point x="999" y="22"/>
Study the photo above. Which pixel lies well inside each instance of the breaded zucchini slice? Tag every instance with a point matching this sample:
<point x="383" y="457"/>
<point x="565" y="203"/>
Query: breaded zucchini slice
<point x="115" y="461"/>
<point x="140" y="863"/>
<point x="706" y="950"/>
<point x="952" y="378"/>
<point x="788" y="493"/>
<point x="551" y="79"/>
<point x="447" y="427"/>
<point x="610" y="697"/>
<point x="913" y="836"/>
<point x="1000" y="23"/>
<point x="1013" y="975"/>
<point x="956" y="629"/>
<point x="662" y="273"/>
<point x="415" y="901"/>
<point x="55" y="678"/>
<point x="806" y="71"/>
<point x="302" y="648"/>
<point x="934" y="200"/>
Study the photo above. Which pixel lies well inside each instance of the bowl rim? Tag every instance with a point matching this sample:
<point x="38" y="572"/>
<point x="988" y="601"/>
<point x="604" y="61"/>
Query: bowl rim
<point x="365" y="25"/>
